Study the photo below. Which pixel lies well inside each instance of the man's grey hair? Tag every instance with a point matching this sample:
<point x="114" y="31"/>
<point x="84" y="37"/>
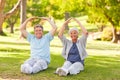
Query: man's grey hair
<point x="38" y="25"/>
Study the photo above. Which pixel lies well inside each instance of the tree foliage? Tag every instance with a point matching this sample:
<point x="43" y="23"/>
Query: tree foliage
<point x="55" y="8"/>
<point x="73" y="7"/>
<point x="37" y="7"/>
<point x="104" y="11"/>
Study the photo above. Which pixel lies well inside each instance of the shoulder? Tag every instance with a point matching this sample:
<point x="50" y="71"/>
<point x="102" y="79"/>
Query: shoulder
<point x="31" y="35"/>
<point x="48" y="36"/>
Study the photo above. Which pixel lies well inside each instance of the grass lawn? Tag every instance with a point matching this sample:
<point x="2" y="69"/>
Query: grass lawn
<point x="103" y="62"/>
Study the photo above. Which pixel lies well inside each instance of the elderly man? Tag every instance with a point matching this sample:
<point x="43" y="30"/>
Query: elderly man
<point x="40" y="46"/>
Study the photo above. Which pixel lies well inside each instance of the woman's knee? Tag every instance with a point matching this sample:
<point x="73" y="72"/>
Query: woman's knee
<point x="66" y="64"/>
<point x="76" y="68"/>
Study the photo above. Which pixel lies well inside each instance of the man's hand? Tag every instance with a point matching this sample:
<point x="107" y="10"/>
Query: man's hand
<point x="46" y="18"/>
<point x="32" y="18"/>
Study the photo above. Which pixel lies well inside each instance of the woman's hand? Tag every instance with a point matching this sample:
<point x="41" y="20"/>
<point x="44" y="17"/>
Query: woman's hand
<point x="67" y="21"/>
<point x="76" y="20"/>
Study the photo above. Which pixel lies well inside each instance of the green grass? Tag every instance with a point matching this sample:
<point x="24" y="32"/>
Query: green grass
<point x="103" y="62"/>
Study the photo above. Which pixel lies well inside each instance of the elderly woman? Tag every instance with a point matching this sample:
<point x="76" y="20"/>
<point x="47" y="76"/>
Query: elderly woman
<point x="74" y="50"/>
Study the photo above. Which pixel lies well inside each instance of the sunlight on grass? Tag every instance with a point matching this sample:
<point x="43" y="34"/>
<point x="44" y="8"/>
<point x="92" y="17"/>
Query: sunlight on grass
<point x="111" y="53"/>
<point x="102" y="63"/>
<point x="8" y="79"/>
<point x="15" y="47"/>
<point x="102" y="45"/>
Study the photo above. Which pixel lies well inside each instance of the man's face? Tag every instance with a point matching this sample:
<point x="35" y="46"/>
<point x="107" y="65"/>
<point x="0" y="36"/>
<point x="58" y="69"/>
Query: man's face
<point x="38" y="32"/>
<point x="74" y="35"/>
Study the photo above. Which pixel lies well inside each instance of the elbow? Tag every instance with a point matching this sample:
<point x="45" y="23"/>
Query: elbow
<point x="21" y="29"/>
<point x="86" y="33"/>
<point x="60" y="36"/>
<point x="55" y="28"/>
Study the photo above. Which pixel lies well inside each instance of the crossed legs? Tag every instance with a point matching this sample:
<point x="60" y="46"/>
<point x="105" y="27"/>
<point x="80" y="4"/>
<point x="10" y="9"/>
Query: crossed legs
<point x="33" y="65"/>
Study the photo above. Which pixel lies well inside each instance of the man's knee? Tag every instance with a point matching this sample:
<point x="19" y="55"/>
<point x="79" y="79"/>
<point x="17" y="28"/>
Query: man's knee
<point x="36" y="68"/>
<point x="42" y="63"/>
<point x="39" y="66"/>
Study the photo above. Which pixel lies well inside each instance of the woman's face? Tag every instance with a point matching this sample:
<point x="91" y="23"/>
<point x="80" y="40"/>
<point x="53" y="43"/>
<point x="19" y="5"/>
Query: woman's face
<point x="38" y="32"/>
<point x="74" y="35"/>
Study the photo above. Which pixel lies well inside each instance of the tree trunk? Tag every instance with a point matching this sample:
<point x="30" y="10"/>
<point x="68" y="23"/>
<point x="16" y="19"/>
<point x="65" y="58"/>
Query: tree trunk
<point x="12" y="28"/>
<point x="2" y="4"/>
<point x="102" y="27"/>
<point x="23" y="11"/>
<point x="11" y="21"/>
<point x="1" y="23"/>
<point x="66" y="17"/>
<point x="22" y="14"/>
<point x="115" y="37"/>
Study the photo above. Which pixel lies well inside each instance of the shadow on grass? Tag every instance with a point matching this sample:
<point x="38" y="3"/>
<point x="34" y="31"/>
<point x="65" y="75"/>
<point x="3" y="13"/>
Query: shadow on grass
<point x="13" y="50"/>
<point x="13" y="43"/>
<point x="92" y="30"/>
<point x="96" y="67"/>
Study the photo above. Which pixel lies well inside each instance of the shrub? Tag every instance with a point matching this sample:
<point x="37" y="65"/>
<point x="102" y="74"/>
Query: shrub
<point x="107" y="34"/>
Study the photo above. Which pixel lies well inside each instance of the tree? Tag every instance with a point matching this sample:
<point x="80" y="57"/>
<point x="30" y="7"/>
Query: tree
<point x="14" y="18"/>
<point x="23" y="11"/>
<point x="105" y="11"/>
<point x="38" y="7"/>
<point x="55" y="8"/>
<point x="66" y="8"/>
<point x="11" y="21"/>
<point x="74" y="8"/>
<point x="6" y="15"/>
